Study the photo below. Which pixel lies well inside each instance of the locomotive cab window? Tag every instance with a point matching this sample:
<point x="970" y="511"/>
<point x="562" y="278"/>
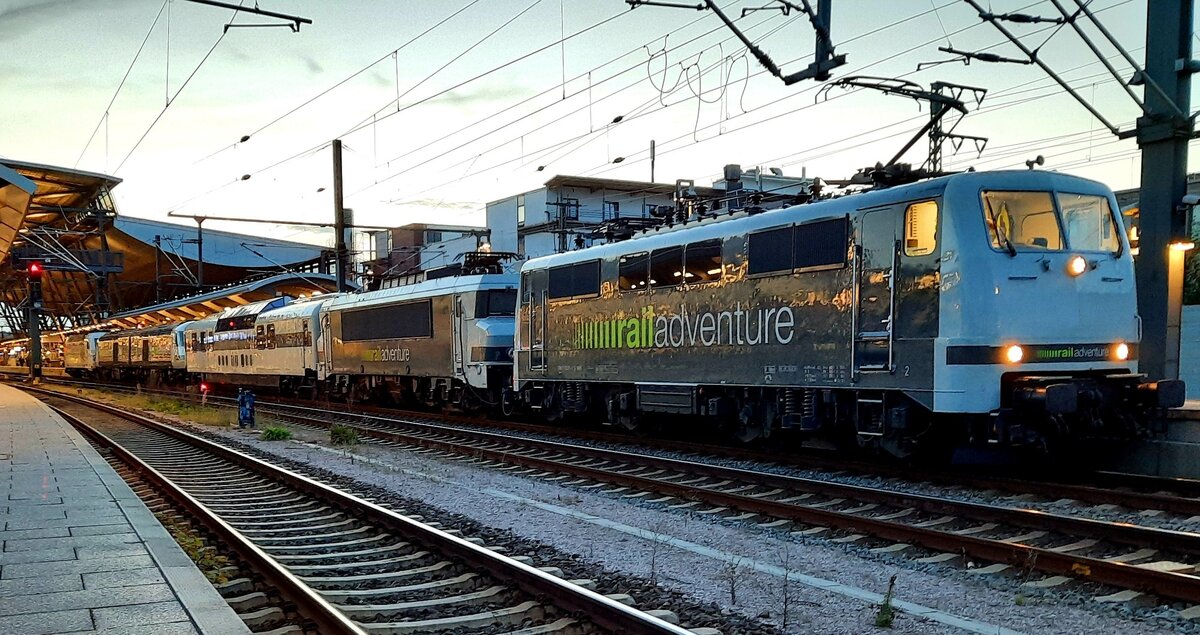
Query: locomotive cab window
<point x="1088" y="223"/>
<point x="702" y="262"/>
<point x="822" y="244"/>
<point x="496" y="302"/>
<point x="1022" y="221"/>
<point x="770" y="251"/>
<point x="666" y="267"/>
<point x="920" y="228"/>
<point x="634" y="272"/>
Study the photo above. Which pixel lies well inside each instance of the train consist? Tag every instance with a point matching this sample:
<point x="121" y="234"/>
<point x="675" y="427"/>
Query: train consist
<point x="978" y="308"/>
<point x="442" y="342"/>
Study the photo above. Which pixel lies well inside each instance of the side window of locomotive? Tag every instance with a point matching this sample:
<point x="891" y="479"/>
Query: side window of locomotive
<point x="920" y="228"/>
<point x="702" y="262"/>
<point x="770" y="251"/>
<point x="260" y="338"/>
<point x="1088" y="222"/>
<point x="270" y="336"/>
<point x="577" y="280"/>
<point x="821" y="244"/>
<point x="526" y="290"/>
<point x="1022" y="220"/>
<point x="400" y="321"/>
<point x="634" y="272"/>
<point x="666" y="267"/>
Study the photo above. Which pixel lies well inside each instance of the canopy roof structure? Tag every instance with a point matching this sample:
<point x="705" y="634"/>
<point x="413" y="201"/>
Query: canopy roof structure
<point x="98" y="265"/>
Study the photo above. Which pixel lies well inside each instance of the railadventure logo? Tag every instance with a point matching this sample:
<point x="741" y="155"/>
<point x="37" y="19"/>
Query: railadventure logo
<point x="739" y="327"/>
<point x="1071" y="352"/>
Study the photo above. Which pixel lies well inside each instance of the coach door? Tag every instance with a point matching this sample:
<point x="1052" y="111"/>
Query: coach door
<point x="876" y="253"/>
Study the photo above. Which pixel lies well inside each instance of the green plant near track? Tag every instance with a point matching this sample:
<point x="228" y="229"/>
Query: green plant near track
<point x="343" y="435"/>
<point x="887" y="612"/>
<point x="194" y="546"/>
<point x="276" y="433"/>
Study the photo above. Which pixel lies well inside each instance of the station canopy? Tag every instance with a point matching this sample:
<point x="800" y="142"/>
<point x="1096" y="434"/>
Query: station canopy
<point x="99" y="266"/>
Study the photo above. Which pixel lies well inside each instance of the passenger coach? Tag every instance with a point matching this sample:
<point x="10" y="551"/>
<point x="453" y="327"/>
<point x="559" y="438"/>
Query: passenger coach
<point x="979" y="307"/>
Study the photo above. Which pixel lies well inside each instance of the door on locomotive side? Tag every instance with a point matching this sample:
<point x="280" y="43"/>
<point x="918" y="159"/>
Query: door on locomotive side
<point x="538" y="281"/>
<point x="877" y="252"/>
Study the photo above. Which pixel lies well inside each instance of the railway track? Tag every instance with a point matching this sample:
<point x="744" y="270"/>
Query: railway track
<point x="1133" y="559"/>
<point x="346" y="564"/>
<point x="1131" y="491"/>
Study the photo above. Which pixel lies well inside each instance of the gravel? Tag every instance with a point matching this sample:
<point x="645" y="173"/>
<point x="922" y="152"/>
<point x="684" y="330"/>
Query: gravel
<point x="700" y="588"/>
<point x="1111" y="513"/>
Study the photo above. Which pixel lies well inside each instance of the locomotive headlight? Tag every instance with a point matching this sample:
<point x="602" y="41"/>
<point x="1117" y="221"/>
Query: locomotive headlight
<point x="1121" y="351"/>
<point x="1014" y="354"/>
<point x="1076" y="266"/>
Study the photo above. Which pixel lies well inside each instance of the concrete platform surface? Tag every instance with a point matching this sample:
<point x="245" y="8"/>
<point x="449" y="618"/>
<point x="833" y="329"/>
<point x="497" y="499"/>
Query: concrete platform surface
<point x="81" y="553"/>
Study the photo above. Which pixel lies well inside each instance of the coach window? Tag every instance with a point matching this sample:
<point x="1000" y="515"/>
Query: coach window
<point x="770" y="251"/>
<point x="634" y="271"/>
<point x="702" y="262"/>
<point x="666" y="267"/>
<point x="920" y="228"/>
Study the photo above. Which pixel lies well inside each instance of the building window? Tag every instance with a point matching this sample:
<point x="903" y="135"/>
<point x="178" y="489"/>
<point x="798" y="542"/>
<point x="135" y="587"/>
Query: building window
<point x="612" y="209"/>
<point x="433" y="236"/>
<point x="520" y="209"/>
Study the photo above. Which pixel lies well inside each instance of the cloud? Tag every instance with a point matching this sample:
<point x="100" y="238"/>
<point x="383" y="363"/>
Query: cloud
<point x="441" y="204"/>
<point x="30" y="8"/>
<point x="314" y="67"/>
<point x="485" y="94"/>
<point x="380" y="79"/>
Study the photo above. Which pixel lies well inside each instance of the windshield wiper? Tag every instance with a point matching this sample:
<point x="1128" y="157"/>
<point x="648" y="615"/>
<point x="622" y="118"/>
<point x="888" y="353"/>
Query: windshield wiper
<point x="1001" y="237"/>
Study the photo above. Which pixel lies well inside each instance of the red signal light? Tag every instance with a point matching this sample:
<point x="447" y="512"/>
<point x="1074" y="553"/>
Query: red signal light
<point x="203" y="387"/>
<point x="34" y="270"/>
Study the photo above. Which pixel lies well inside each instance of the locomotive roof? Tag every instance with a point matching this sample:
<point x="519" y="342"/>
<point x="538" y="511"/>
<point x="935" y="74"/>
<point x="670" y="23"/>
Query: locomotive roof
<point x="741" y="222"/>
<point x="254" y="308"/>
<point x="300" y="308"/>
<point x="153" y="330"/>
<point x="427" y="289"/>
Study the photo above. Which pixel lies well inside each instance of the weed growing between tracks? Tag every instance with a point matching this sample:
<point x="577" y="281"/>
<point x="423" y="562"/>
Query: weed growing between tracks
<point x="276" y="433"/>
<point x="343" y="436"/>
<point x="212" y="565"/>
<point x="202" y="415"/>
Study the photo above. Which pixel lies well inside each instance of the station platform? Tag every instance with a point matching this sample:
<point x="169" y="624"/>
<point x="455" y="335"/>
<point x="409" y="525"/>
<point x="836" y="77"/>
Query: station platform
<point x="81" y="552"/>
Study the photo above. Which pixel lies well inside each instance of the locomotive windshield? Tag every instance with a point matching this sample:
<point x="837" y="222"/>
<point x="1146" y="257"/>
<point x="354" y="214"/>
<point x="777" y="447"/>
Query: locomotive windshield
<point x="1041" y="221"/>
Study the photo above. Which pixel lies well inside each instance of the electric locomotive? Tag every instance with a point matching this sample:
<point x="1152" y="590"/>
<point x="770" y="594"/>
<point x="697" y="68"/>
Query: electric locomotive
<point x="978" y="308"/>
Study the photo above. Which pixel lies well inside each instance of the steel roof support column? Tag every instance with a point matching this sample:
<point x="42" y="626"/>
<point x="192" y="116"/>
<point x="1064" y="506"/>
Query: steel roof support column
<point x="1163" y="138"/>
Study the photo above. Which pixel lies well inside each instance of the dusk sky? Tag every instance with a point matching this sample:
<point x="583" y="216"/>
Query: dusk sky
<point x="483" y="103"/>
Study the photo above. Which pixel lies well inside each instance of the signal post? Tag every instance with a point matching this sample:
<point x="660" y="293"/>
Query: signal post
<point x="34" y="273"/>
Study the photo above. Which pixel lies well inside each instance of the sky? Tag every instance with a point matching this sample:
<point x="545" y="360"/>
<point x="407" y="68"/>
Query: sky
<point x="444" y="106"/>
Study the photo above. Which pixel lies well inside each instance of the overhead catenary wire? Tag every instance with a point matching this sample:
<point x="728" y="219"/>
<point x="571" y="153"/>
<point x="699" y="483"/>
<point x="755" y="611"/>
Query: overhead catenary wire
<point x="171" y="100"/>
<point x="121" y="84"/>
<point x="392" y="54"/>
